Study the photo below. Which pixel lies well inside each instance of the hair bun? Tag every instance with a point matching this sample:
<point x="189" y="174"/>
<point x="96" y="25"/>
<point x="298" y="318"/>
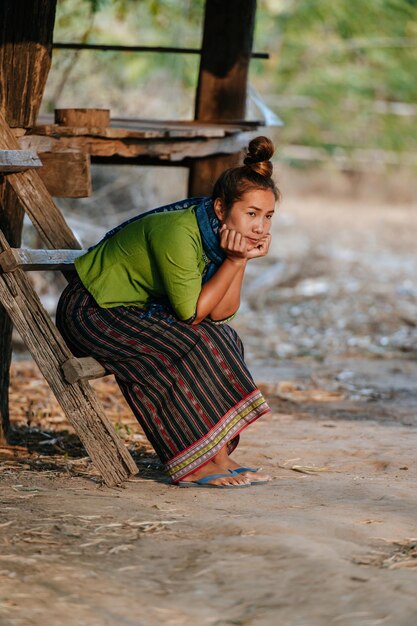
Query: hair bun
<point x="258" y="156"/>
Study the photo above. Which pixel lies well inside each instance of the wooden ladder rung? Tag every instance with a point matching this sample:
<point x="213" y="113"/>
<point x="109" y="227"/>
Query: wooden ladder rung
<point x="12" y="161"/>
<point x="27" y="259"/>
<point x="84" y="368"/>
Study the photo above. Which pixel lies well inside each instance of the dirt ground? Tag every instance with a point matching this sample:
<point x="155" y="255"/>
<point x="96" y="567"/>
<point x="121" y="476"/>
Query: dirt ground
<point x="329" y="324"/>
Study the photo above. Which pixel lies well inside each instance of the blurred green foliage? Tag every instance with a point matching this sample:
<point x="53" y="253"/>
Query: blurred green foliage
<point x="131" y="84"/>
<point x="345" y="65"/>
<point x="341" y="73"/>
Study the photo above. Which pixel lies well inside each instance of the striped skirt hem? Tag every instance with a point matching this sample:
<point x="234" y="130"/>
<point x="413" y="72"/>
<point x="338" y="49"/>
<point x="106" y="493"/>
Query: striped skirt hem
<point x="225" y="431"/>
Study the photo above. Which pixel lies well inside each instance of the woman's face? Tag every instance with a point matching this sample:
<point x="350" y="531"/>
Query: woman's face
<point x="251" y="216"/>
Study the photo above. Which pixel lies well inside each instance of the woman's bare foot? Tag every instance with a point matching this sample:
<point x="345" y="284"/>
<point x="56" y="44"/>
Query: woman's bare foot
<point x="224" y="463"/>
<point x="232" y="480"/>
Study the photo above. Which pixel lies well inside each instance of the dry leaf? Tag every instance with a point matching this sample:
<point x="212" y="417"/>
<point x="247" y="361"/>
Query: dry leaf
<point x="408" y="564"/>
<point x="309" y="469"/>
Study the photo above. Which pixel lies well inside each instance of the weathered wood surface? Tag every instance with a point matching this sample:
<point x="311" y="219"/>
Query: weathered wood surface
<point x="139" y="151"/>
<point x="18" y="161"/>
<point x="85" y="368"/>
<point x="28" y="259"/>
<point x="11" y="220"/>
<point x="25" y="57"/>
<point x="82" y="117"/>
<point x="78" y="400"/>
<point x="225" y="56"/>
<point x="36" y="201"/>
<point x="142" y="141"/>
<point x="66" y="174"/>
<point x="146" y="128"/>
<point x="222" y="81"/>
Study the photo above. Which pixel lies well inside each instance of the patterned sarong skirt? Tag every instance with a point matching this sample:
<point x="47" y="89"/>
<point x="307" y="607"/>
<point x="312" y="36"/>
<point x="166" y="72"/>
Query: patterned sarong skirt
<point x="187" y="385"/>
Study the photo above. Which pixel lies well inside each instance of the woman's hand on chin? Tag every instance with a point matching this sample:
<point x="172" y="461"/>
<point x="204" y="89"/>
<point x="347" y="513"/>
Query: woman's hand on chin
<point x="260" y="249"/>
<point x="237" y="247"/>
<point x="233" y="244"/>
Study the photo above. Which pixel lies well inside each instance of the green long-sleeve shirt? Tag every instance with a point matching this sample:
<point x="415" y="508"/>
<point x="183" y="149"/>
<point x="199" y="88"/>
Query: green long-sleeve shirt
<point x="155" y="259"/>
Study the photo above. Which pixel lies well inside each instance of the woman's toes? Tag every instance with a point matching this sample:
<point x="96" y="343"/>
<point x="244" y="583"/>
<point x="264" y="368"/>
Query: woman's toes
<point x="234" y="481"/>
<point x="256" y="477"/>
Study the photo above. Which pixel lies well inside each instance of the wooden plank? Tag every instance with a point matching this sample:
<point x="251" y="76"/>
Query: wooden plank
<point x="66" y="174"/>
<point x="222" y="81"/>
<point x="85" y="368"/>
<point x="82" y="117"/>
<point x="78" y="400"/>
<point x="141" y="151"/>
<point x="45" y="124"/>
<point x="146" y="131"/>
<point x="36" y="200"/>
<point x="28" y="259"/>
<point x="231" y="126"/>
<point x="18" y="161"/>
<point x="53" y="130"/>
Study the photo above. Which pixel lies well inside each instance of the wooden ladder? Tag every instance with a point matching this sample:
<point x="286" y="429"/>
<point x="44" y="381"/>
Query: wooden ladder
<point x="66" y="375"/>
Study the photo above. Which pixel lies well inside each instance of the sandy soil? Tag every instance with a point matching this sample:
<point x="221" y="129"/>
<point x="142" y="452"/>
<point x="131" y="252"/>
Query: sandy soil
<point x="332" y="540"/>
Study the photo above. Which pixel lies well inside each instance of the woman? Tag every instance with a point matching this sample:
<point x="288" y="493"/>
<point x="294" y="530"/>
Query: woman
<point x="151" y="302"/>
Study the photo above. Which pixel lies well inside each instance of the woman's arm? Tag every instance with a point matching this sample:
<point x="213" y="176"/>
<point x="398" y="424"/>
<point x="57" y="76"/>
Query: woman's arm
<point x="231" y="270"/>
<point x="220" y="296"/>
<point x="230" y="302"/>
<point x="212" y="300"/>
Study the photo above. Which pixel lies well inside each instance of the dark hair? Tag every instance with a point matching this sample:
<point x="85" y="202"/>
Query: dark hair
<point x="256" y="173"/>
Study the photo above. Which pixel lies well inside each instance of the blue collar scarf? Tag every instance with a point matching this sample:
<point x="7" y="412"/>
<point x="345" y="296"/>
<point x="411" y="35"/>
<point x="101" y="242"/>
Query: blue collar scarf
<point x="207" y="223"/>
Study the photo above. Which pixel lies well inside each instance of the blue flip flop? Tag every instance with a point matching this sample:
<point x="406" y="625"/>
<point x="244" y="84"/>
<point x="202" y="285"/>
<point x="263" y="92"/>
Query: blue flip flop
<point x="240" y="470"/>
<point x="204" y="482"/>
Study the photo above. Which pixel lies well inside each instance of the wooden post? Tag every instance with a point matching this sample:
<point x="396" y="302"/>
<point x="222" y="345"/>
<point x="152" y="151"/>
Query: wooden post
<point x="26" y="30"/>
<point x="11" y="224"/>
<point x="222" y="82"/>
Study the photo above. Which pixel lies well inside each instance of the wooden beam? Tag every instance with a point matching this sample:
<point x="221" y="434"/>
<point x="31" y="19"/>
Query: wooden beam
<point x="222" y="81"/>
<point x="66" y="174"/>
<point x="18" y="161"/>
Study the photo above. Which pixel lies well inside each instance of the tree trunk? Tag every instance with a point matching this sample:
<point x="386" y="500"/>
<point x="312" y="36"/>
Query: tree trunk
<point x="26" y="30"/>
<point x="222" y="81"/>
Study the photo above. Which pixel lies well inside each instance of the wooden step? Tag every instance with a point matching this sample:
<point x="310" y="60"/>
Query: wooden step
<point x="12" y="161"/>
<point x="27" y="259"/>
<point x="84" y="368"/>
